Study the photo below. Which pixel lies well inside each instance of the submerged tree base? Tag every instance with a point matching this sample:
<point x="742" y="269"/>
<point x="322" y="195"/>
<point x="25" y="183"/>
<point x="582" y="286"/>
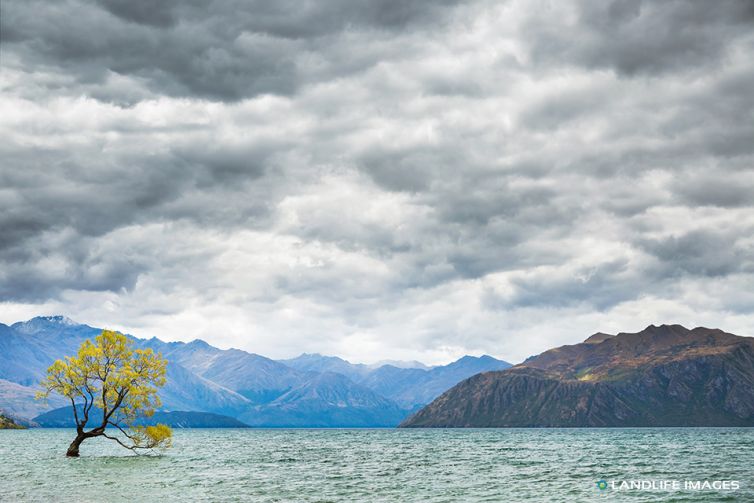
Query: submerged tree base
<point x="73" y="449"/>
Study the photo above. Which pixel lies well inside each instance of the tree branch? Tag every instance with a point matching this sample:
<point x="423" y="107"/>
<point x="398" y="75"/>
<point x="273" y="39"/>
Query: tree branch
<point x="79" y="426"/>
<point x="121" y="395"/>
<point x="130" y="447"/>
<point x="131" y="438"/>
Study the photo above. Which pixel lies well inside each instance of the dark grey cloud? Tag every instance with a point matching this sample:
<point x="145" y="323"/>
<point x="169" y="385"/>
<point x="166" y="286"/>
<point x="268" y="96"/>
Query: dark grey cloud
<point x="221" y="50"/>
<point x="391" y="174"/>
<point x="602" y="286"/>
<point x="47" y="271"/>
<point x="717" y="188"/>
<point x="640" y="37"/>
<point x="158" y="14"/>
<point x="705" y="252"/>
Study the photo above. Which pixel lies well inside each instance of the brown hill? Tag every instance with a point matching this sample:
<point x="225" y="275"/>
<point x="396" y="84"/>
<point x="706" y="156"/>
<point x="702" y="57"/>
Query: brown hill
<point x="7" y="423"/>
<point x="662" y="376"/>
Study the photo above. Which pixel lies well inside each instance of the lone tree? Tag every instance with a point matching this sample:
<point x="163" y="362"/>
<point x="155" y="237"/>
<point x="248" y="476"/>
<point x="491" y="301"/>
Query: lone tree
<point x="108" y="377"/>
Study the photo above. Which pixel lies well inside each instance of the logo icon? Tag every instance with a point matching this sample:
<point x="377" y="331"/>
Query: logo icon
<point x="602" y="485"/>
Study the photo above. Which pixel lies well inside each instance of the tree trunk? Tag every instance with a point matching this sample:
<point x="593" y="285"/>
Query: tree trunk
<point x="73" y="449"/>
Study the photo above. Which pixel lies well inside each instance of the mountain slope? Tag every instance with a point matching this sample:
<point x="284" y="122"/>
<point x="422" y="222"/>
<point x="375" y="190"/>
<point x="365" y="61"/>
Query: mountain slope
<point x="327" y="400"/>
<point x="412" y="387"/>
<point x="259" y="379"/>
<point x="661" y="376"/>
<point x="6" y="423"/>
<point x="313" y="362"/>
<point x="19" y="400"/>
<point x="63" y="418"/>
<point x="409" y="384"/>
<point x="28" y="348"/>
<point x="185" y="390"/>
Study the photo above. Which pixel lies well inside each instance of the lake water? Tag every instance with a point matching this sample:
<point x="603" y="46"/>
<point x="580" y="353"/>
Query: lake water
<point x="382" y="465"/>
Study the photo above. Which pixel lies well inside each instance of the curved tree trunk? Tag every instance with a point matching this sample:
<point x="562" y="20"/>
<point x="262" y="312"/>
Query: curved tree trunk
<point x="73" y="449"/>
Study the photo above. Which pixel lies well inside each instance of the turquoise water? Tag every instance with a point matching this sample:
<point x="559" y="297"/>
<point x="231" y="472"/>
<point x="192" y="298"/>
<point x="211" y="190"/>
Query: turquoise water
<point x="380" y="465"/>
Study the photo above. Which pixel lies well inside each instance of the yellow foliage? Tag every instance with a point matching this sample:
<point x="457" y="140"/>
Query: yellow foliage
<point x="110" y="375"/>
<point x="150" y="437"/>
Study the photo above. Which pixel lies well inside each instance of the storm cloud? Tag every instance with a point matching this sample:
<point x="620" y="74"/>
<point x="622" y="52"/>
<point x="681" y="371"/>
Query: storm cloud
<point x="378" y="179"/>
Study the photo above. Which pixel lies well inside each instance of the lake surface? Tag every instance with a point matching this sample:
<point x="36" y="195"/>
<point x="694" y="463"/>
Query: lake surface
<point x="382" y="465"/>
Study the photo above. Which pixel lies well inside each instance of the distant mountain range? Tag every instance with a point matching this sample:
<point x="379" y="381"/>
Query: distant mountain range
<point x="63" y="418"/>
<point x="662" y="376"/>
<point x="309" y="391"/>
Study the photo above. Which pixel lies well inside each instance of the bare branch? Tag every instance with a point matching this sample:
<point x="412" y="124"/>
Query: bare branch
<point x="133" y="448"/>
<point x="79" y="425"/>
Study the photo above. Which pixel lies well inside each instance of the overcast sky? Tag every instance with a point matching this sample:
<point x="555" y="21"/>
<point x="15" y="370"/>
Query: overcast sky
<point x="378" y="178"/>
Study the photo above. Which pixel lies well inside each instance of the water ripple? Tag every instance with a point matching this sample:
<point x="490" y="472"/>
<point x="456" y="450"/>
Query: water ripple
<point x="379" y="465"/>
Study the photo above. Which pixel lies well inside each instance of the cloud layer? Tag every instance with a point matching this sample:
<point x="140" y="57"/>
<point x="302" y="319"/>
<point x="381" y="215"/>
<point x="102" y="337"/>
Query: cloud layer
<point x="378" y="179"/>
